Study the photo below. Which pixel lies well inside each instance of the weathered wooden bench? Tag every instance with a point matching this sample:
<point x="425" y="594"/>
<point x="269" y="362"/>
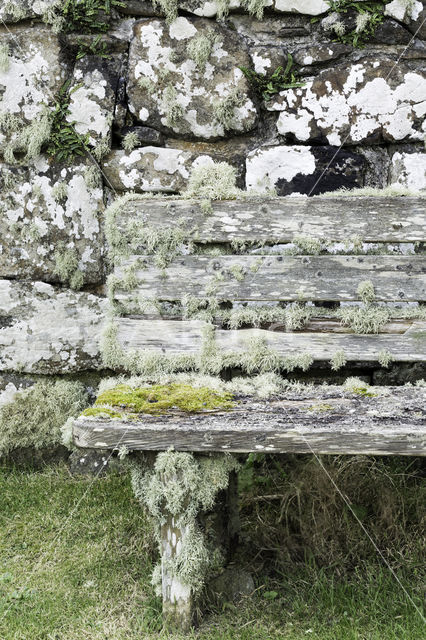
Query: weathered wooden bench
<point x="248" y="287"/>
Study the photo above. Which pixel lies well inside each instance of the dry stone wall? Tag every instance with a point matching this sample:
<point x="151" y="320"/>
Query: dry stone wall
<point x="174" y="76"/>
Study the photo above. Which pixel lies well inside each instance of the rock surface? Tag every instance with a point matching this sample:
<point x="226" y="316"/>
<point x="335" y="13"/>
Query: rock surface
<point x="32" y="76"/>
<point x="170" y="92"/>
<point x="352" y="104"/>
<point x="15" y="10"/>
<point x="92" y="97"/>
<point x="408" y="170"/>
<point x="45" y="207"/>
<point x="153" y="168"/>
<point x="49" y="331"/>
<point x="303" y="169"/>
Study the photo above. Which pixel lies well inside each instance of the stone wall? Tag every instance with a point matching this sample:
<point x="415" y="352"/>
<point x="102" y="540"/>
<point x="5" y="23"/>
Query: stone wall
<point x="153" y="94"/>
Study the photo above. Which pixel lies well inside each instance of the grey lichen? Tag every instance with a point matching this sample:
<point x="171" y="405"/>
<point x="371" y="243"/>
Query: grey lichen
<point x="385" y="358"/>
<point x="4" y="57"/>
<point x="130" y="141"/>
<point x="338" y="360"/>
<point x="200" y="48"/>
<point x="366" y="291"/>
<point x="224" y="109"/>
<point x="60" y="191"/>
<point x="35" y="415"/>
<point x="366" y="319"/>
<point x="213" y="181"/>
<point x="67" y="266"/>
<point x="172" y="108"/>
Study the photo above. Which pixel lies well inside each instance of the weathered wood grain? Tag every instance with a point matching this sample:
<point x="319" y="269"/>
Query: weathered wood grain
<point x="171" y="336"/>
<point x="251" y="277"/>
<point x="321" y="421"/>
<point x="374" y="219"/>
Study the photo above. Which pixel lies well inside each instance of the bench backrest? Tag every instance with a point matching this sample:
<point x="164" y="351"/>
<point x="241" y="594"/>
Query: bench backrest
<point x="318" y="279"/>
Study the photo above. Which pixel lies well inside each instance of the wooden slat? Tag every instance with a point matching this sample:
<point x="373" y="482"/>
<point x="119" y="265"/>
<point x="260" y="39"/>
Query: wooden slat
<point x="277" y="220"/>
<point x="325" y="422"/>
<point x="170" y="336"/>
<point x="320" y="278"/>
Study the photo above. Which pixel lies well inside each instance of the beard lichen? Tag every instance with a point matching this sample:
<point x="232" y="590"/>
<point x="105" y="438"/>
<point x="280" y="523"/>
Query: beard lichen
<point x="4" y="57"/>
<point x="201" y="47"/>
<point x="182" y="485"/>
<point x="67" y="266"/>
<point x="215" y="181"/>
<point x="224" y="109"/>
<point x="35" y="415"/>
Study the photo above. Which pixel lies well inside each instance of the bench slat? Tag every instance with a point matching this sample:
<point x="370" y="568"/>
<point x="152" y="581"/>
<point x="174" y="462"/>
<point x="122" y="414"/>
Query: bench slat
<point x="251" y="277"/>
<point x="173" y="336"/>
<point x="326" y="422"/>
<point x="374" y="219"/>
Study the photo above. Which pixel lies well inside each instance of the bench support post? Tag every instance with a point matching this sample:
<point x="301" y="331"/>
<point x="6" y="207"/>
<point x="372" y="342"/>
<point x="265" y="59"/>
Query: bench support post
<point x="193" y="499"/>
<point x="178" y="599"/>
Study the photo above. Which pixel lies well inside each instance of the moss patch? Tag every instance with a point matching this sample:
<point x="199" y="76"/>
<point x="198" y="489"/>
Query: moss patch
<point x="158" y="399"/>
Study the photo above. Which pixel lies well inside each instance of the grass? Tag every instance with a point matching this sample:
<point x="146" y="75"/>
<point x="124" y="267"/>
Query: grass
<point x="75" y="563"/>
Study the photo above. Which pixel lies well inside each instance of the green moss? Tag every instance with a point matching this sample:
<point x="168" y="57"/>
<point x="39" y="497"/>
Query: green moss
<point x="158" y="399"/>
<point x="101" y="412"/>
<point x="35" y="416"/>
<point x="84" y="16"/>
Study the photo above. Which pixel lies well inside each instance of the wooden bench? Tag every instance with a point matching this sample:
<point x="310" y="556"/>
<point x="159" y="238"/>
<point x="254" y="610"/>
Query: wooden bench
<point x="189" y="282"/>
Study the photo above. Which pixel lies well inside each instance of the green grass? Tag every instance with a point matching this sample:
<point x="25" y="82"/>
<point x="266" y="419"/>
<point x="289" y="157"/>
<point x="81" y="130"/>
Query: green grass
<point x="83" y="573"/>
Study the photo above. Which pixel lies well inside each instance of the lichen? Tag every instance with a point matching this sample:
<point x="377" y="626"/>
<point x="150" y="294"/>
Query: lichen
<point x="215" y="181"/>
<point x="200" y="48"/>
<point x="367" y="319"/>
<point x="224" y="109"/>
<point x="4" y="57"/>
<point x="60" y="191"/>
<point x="172" y="108"/>
<point x="358" y="387"/>
<point x="130" y="141"/>
<point x="35" y="415"/>
<point x="169" y="7"/>
<point x="93" y="177"/>
<point x="338" y="360"/>
<point x="67" y="266"/>
<point x="390" y="191"/>
<point x="385" y="358"/>
<point x="366" y="291"/>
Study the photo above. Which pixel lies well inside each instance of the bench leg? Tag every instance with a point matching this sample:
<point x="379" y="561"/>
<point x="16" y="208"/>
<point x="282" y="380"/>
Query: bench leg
<point x="178" y="600"/>
<point x="191" y="497"/>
